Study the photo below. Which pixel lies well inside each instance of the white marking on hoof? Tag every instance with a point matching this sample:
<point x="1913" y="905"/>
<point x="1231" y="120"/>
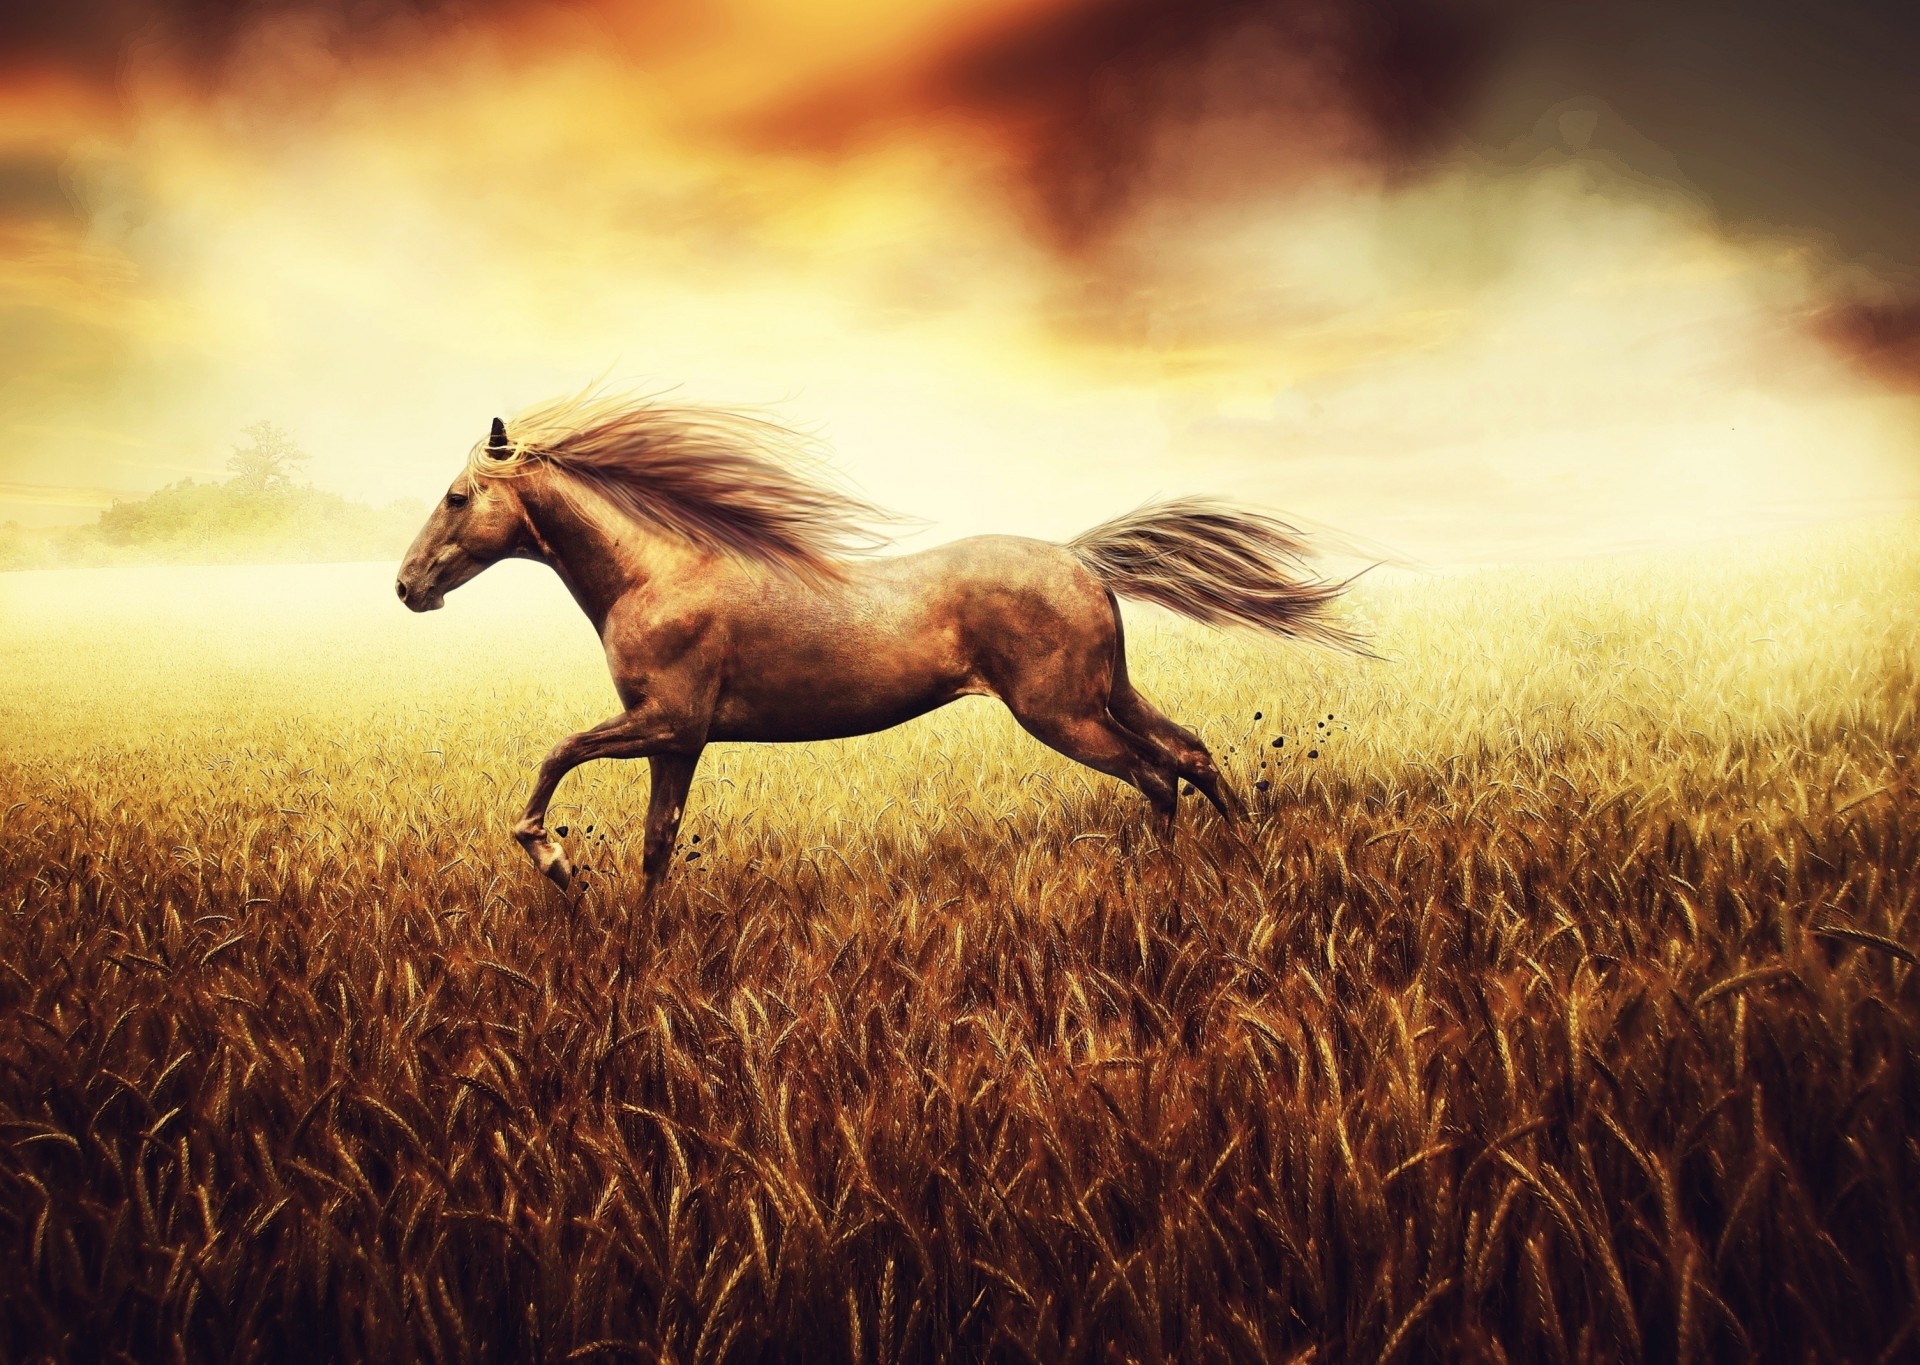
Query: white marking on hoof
<point x="553" y="862"/>
<point x="547" y="855"/>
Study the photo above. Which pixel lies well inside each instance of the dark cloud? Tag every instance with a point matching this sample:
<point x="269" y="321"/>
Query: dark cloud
<point x="1783" y="119"/>
<point x="1882" y="338"/>
<point x="1103" y="94"/>
<point x="1094" y="100"/>
<point x="1781" y="115"/>
<point x="93" y="39"/>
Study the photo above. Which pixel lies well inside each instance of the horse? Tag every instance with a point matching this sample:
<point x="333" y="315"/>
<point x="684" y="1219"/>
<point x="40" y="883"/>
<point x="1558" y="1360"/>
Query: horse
<point x="737" y="595"/>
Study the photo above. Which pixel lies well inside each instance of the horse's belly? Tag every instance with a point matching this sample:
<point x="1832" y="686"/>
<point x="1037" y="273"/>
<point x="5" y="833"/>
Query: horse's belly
<point x="837" y="686"/>
<point x="827" y="709"/>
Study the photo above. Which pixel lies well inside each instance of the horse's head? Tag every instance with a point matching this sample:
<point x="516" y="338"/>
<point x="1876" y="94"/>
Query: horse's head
<point x="479" y="522"/>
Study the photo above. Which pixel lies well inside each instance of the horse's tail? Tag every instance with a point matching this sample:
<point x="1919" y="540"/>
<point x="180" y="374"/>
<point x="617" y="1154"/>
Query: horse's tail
<point x="1219" y="564"/>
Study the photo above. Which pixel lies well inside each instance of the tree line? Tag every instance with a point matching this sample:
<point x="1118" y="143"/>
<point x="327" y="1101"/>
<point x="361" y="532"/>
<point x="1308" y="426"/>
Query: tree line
<point x="261" y="513"/>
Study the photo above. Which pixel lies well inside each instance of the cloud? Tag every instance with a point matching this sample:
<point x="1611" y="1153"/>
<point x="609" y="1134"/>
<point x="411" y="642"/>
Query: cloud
<point x="1784" y="118"/>
<point x="95" y="40"/>
<point x="1882" y="337"/>
<point x="1100" y="106"/>
<point x="1367" y="262"/>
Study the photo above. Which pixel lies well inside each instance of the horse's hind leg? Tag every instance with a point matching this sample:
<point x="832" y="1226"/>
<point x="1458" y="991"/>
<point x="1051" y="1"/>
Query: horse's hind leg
<point x="1180" y="747"/>
<point x="1053" y="667"/>
<point x="1177" y="747"/>
<point x="1098" y="742"/>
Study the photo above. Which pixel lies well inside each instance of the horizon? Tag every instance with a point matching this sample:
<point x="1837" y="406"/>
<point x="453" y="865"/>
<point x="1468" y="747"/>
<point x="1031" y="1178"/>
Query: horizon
<point x="1379" y="564"/>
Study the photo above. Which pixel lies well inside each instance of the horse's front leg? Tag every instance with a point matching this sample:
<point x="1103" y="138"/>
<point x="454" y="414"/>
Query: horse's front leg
<point x="637" y="734"/>
<point x="672" y="776"/>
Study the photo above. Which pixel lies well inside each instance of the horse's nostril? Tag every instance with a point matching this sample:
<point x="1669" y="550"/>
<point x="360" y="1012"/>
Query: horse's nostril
<point x="400" y="589"/>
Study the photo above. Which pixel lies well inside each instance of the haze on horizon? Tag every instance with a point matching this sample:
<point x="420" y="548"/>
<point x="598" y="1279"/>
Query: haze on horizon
<point x="1470" y="281"/>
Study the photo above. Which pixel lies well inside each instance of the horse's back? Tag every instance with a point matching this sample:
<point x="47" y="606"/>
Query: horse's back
<point x="994" y="564"/>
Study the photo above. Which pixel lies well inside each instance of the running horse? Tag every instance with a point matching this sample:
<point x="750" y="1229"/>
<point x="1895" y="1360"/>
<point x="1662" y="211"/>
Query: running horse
<point x="736" y="596"/>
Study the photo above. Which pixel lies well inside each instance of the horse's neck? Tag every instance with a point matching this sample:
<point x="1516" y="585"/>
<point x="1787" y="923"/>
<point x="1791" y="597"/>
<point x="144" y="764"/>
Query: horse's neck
<point x="600" y="555"/>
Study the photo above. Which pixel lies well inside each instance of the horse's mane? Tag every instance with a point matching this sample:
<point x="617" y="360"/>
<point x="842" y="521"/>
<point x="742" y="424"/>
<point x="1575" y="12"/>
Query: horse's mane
<point x="724" y="480"/>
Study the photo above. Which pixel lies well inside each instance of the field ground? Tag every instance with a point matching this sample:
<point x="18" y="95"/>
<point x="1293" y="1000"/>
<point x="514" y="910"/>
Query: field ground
<point x="1558" y="1004"/>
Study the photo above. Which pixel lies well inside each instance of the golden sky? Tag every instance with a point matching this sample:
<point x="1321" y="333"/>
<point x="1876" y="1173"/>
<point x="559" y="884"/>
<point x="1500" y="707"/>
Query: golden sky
<point x="1022" y="263"/>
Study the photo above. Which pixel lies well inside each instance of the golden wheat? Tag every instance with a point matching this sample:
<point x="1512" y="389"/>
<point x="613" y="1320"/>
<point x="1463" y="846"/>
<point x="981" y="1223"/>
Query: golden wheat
<point x="1559" y="1002"/>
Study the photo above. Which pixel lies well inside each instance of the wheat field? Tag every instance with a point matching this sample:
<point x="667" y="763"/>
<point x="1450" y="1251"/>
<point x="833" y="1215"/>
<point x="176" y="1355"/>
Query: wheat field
<point x="1558" y="1003"/>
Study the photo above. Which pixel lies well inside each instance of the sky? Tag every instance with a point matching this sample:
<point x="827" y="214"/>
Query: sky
<point x="1465" y="280"/>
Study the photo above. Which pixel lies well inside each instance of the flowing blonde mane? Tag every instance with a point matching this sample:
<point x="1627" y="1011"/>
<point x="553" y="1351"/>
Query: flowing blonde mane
<point x="724" y="480"/>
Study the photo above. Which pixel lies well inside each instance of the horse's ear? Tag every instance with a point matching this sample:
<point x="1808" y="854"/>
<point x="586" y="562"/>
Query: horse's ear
<point x="497" y="442"/>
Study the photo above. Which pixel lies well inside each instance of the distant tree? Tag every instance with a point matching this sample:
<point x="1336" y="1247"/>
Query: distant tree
<point x="270" y="460"/>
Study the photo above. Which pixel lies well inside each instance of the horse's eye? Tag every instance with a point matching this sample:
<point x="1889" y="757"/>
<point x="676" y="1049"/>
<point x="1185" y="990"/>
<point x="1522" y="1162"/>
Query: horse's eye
<point x="456" y="499"/>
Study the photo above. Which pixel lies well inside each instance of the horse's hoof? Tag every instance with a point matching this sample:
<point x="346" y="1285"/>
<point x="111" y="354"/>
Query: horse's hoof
<point x="547" y="855"/>
<point x="551" y="859"/>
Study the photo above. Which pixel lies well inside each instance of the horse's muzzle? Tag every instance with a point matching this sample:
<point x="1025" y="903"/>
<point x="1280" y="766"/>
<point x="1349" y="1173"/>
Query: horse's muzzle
<point x="416" y="599"/>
